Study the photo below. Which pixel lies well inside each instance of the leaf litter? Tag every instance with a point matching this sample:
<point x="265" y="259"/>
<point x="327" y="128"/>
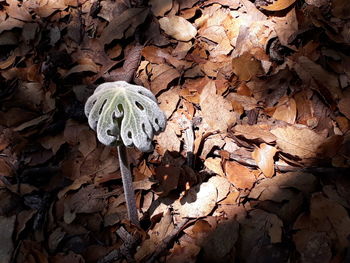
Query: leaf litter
<point x="253" y="165"/>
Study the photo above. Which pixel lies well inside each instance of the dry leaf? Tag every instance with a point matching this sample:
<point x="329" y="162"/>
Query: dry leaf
<point x="278" y="5"/>
<point x="313" y="246"/>
<point x="124" y="25"/>
<point x="246" y="66"/>
<point x="258" y="131"/>
<point x="198" y="202"/>
<point x="222" y="185"/>
<point x="286" y="110"/>
<point x="161" y="230"/>
<point x="301" y="142"/>
<point x="7" y="225"/>
<point x="327" y="216"/>
<point x="178" y="27"/>
<point x="344" y="104"/>
<point x="264" y="158"/>
<point x="216" y="110"/>
<point x="239" y="175"/>
<point x="162" y="75"/>
<point x="160" y="7"/>
<point x="214" y="164"/>
<point x="168" y="140"/>
<point x="183" y="252"/>
<point x="169" y="100"/>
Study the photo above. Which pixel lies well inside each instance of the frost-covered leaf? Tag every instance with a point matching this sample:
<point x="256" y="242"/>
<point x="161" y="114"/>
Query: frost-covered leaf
<point x="121" y="112"/>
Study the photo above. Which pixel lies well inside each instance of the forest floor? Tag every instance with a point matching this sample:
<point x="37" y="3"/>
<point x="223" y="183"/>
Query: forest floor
<point x="253" y="165"/>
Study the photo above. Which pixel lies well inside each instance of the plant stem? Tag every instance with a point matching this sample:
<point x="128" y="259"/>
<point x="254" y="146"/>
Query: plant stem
<point x="127" y="184"/>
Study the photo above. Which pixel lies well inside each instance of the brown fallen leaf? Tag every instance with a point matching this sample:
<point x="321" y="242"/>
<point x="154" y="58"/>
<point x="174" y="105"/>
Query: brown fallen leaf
<point x="301" y="142"/>
<point x="278" y="5"/>
<point x="160" y="7"/>
<point x="169" y="100"/>
<point x="162" y="75"/>
<point x="124" y="25"/>
<point x="7" y="226"/>
<point x="258" y="131"/>
<point x="327" y="216"/>
<point x="199" y="201"/>
<point x="239" y="175"/>
<point x="246" y="66"/>
<point x="344" y="103"/>
<point x="178" y="28"/>
<point x="168" y="177"/>
<point x="160" y="231"/>
<point x="183" y="252"/>
<point x="286" y="110"/>
<point x="313" y="246"/>
<point x="264" y="158"/>
<point x="222" y="185"/>
<point x="168" y="140"/>
<point x="216" y="110"/>
<point x="214" y="164"/>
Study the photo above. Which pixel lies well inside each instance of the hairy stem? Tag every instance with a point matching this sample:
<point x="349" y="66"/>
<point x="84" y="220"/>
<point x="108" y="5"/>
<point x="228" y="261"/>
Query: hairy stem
<point x="127" y="184"/>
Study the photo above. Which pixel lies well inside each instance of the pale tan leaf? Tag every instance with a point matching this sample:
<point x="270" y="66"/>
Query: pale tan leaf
<point x="222" y="185"/>
<point x="286" y="110"/>
<point x="258" y="131"/>
<point x="199" y="201"/>
<point x="301" y="142"/>
<point x="216" y="110"/>
<point x="168" y="139"/>
<point x="214" y="164"/>
<point x="178" y="28"/>
<point x="278" y="5"/>
<point x="264" y="158"/>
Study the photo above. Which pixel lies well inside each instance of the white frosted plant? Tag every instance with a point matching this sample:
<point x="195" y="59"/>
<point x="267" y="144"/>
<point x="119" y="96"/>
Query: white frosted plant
<point x="123" y="114"/>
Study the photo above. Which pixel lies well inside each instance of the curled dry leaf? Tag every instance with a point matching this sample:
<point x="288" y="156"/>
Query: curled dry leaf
<point x="178" y="28"/>
<point x="264" y="158"/>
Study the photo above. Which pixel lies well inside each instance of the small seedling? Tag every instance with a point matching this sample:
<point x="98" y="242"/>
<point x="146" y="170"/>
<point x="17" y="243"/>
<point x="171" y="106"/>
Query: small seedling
<point x="125" y="115"/>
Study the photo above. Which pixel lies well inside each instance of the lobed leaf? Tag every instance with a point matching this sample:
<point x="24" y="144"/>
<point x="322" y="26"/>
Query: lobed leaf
<point x="124" y="113"/>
